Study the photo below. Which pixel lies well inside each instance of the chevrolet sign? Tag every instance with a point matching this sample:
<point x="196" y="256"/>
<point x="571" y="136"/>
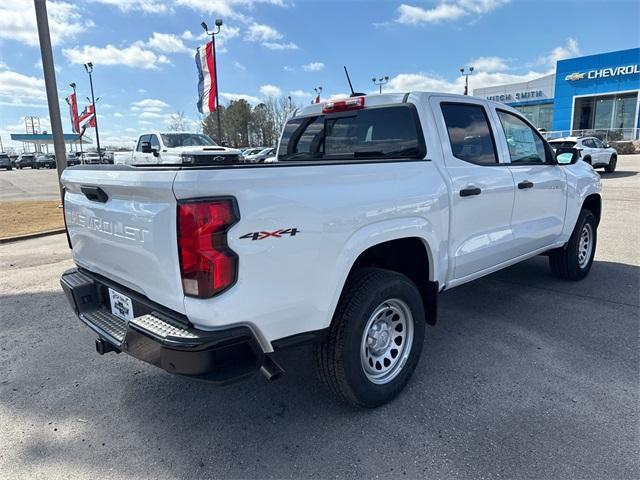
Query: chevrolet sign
<point x="604" y="73"/>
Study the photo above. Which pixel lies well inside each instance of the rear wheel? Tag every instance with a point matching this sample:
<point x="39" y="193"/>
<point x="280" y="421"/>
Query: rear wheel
<point x="611" y="167"/>
<point x="574" y="260"/>
<point x="375" y="339"/>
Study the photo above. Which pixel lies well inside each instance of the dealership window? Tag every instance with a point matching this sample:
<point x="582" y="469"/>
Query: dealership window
<point x="606" y="112"/>
<point x="540" y="116"/>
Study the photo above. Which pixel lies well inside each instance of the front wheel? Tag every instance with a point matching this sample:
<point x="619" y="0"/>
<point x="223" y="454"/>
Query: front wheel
<point x="611" y="166"/>
<point x="574" y="260"/>
<point x="375" y="338"/>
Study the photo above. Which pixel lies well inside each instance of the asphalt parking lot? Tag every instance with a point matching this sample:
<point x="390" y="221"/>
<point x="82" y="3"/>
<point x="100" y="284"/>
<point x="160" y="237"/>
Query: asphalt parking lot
<point x="28" y="184"/>
<point x="525" y="376"/>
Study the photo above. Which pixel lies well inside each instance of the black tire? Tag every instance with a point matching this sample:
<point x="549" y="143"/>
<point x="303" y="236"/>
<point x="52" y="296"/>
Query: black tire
<point x="611" y="166"/>
<point x="564" y="261"/>
<point x="588" y="160"/>
<point x="338" y="359"/>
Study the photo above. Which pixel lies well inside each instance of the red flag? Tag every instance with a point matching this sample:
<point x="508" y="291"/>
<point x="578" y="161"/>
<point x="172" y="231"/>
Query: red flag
<point x="73" y="111"/>
<point x="87" y="118"/>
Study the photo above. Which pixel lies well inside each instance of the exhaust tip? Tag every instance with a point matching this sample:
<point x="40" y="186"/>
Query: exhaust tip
<point x="271" y="370"/>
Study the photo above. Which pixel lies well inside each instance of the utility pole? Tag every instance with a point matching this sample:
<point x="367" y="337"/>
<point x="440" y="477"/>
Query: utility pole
<point x="89" y="68"/>
<point x="215" y="69"/>
<point x="380" y="81"/>
<point x="51" y="88"/>
<point x="466" y="74"/>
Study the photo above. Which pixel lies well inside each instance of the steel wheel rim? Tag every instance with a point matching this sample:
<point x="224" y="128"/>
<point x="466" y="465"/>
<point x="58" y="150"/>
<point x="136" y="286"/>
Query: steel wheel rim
<point x="585" y="245"/>
<point x="386" y="341"/>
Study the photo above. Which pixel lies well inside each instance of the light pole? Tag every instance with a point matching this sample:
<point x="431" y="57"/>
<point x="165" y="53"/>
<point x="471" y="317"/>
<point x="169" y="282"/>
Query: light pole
<point x="318" y="91"/>
<point x="89" y="68"/>
<point x="380" y="81"/>
<point x="215" y="68"/>
<point x="73" y="85"/>
<point x="466" y="74"/>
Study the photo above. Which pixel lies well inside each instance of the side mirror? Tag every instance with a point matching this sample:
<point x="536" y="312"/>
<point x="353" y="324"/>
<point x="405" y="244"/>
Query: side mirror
<point x="567" y="156"/>
<point x="146" y="147"/>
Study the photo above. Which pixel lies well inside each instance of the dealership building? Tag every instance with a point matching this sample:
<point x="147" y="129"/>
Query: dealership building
<point x="597" y="94"/>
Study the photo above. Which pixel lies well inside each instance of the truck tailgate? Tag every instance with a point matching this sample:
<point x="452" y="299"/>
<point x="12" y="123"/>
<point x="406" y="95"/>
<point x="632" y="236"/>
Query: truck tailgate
<point x="129" y="236"/>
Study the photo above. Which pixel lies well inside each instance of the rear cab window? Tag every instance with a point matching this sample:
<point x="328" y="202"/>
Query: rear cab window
<point x="469" y="132"/>
<point x="376" y="133"/>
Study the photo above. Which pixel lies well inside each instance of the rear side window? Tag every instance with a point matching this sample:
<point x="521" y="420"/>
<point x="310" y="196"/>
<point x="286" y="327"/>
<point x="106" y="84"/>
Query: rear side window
<point x="469" y="133"/>
<point x="374" y="133"/>
<point x="525" y="145"/>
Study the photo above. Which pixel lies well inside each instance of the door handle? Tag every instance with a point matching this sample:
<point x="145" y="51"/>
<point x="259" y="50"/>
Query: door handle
<point x="95" y="194"/>
<point x="525" y="184"/>
<point x="470" y="191"/>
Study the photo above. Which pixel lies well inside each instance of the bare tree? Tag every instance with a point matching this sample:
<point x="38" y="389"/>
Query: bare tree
<point x="177" y="122"/>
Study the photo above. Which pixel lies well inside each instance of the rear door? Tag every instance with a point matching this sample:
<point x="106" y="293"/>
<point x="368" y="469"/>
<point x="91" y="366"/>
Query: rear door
<point x="127" y="233"/>
<point x="541" y="187"/>
<point x="482" y="189"/>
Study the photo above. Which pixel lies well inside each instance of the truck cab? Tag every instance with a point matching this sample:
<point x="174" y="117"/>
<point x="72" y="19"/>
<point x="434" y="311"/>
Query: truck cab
<point x="175" y="148"/>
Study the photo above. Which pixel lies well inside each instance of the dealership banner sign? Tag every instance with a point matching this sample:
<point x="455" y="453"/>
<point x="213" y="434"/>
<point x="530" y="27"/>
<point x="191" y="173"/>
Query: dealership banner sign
<point x="604" y="73"/>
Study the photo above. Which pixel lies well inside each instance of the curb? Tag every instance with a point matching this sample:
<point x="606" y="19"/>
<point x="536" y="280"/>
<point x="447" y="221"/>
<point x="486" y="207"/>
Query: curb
<point x="28" y="236"/>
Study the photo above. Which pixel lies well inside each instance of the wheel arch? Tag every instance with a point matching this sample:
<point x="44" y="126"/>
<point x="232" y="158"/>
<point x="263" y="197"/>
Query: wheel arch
<point x="411" y="256"/>
<point x="593" y="203"/>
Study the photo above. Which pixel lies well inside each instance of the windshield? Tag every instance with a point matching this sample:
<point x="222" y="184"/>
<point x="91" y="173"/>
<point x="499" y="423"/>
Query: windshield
<point x="173" y="140"/>
<point x="374" y="133"/>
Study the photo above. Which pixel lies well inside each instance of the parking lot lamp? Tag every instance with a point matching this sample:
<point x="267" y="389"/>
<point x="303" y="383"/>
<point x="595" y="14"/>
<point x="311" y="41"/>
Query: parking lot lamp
<point x="466" y="74"/>
<point x="215" y="69"/>
<point x="380" y="81"/>
<point x="89" y="68"/>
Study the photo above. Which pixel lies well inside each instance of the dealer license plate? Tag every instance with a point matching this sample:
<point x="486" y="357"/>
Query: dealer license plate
<point x="121" y="305"/>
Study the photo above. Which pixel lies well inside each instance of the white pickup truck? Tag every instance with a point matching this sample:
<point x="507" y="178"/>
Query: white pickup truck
<point x="178" y="148"/>
<point x="375" y="205"/>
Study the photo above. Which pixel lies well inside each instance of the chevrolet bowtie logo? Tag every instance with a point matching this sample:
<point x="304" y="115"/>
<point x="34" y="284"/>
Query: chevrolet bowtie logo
<point x="575" y="76"/>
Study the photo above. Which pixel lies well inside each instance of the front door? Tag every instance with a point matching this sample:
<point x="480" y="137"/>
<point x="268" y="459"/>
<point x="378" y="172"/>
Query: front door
<point x="540" y="194"/>
<point x="481" y="189"/>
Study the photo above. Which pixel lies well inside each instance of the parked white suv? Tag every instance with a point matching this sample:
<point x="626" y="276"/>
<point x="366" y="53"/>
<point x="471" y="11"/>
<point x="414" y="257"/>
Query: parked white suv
<point x="375" y="205"/>
<point x="593" y="150"/>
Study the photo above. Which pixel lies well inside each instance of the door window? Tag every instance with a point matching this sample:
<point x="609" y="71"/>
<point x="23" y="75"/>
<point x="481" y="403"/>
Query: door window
<point x="598" y="143"/>
<point x="143" y="138"/>
<point x="469" y="133"/>
<point x="155" y="144"/>
<point x="587" y="142"/>
<point x="524" y="142"/>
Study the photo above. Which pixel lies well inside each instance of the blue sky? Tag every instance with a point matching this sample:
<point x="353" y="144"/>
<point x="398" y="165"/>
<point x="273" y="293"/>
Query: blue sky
<point x="143" y="50"/>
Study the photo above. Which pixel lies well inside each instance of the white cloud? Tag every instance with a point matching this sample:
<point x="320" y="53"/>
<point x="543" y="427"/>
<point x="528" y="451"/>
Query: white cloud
<point x="146" y="6"/>
<point x="18" y="21"/>
<point x="134" y="56"/>
<point x="289" y="69"/>
<point x="118" y="115"/>
<point x="280" y="46"/>
<point x="313" y="67"/>
<point x="148" y="103"/>
<point x="149" y="114"/>
<point x="18" y="89"/>
<point x="240" y="96"/>
<point x="299" y="93"/>
<point x="270" y="91"/>
<point x="239" y="66"/>
<point x="569" y="50"/>
<point x="445" y="11"/>
<point x="166" y="42"/>
<point x="262" y="33"/>
<point x="489" y="64"/>
<point x="226" y="8"/>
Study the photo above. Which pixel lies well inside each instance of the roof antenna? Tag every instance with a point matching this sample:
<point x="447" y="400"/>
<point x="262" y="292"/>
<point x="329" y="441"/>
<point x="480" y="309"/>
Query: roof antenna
<point x="353" y="94"/>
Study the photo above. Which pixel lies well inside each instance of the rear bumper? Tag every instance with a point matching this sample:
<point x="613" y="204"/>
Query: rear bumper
<point x="161" y="337"/>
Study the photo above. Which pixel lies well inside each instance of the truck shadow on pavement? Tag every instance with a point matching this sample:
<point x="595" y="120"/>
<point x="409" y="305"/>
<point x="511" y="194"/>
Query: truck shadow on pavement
<point x="617" y="174"/>
<point x="524" y="375"/>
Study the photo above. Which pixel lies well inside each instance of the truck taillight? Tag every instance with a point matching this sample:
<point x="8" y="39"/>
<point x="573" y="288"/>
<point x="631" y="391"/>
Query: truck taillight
<point x="207" y="264"/>
<point x="355" y="103"/>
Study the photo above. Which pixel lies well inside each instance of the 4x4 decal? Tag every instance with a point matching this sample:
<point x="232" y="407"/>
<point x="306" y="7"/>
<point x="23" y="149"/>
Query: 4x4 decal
<point x="276" y="234"/>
